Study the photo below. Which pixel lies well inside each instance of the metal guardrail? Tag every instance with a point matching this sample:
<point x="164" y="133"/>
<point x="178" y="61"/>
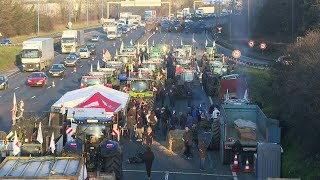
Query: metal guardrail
<point x="249" y="64"/>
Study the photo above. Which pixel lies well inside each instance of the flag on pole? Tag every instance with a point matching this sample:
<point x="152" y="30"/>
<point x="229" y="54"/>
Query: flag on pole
<point x="246" y="96"/>
<point x="121" y="46"/>
<point x="14" y="109"/>
<point x="152" y="42"/>
<point x="16" y="145"/>
<point x="172" y="42"/>
<point x="52" y="143"/>
<point x="138" y="48"/>
<point x="206" y="43"/>
<point x="131" y="43"/>
<point x="91" y="68"/>
<point x="181" y="43"/>
<point x="193" y="40"/>
<point x="39" y="135"/>
<point x="98" y="65"/>
<point x="147" y="43"/>
<point x="227" y="97"/>
<point x="214" y="43"/>
<point x="62" y="107"/>
<point x="116" y="52"/>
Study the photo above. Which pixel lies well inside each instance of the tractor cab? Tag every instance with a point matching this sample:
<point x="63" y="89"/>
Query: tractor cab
<point x="230" y="76"/>
<point x="211" y="50"/>
<point x="126" y="58"/>
<point x="164" y="48"/>
<point x="141" y="85"/>
<point x="129" y="50"/>
<point x="93" y="79"/>
<point x="189" y="49"/>
<point x="218" y="67"/>
<point x="184" y="83"/>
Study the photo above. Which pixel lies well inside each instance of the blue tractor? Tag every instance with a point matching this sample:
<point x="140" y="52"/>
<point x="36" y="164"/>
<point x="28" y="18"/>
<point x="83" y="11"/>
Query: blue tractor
<point x="94" y="141"/>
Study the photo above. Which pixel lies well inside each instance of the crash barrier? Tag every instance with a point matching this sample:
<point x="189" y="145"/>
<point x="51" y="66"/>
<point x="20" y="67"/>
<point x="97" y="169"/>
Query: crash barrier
<point x="249" y="64"/>
<point x="17" y="44"/>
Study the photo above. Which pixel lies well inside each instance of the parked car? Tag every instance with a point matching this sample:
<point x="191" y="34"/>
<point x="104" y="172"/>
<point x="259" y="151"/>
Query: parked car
<point x="136" y="24"/>
<point x="37" y="79"/>
<point x="84" y="52"/>
<point x="57" y="70"/>
<point x="124" y="30"/>
<point x="92" y="48"/>
<point x="4" y="82"/>
<point x="71" y="61"/>
<point x="119" y="33"/>
<point x="76" y="54"/>
<point x="5" y="41"/>
<point x="142" y="24"/>
<point x="95" y="38"/>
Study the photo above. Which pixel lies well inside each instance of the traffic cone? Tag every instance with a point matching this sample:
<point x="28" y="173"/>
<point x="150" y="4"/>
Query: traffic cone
<point x="247" y="167"/>
<point x="235" y="166"/>
<point x="53" y="84"/>
<point x="74" y="69"/>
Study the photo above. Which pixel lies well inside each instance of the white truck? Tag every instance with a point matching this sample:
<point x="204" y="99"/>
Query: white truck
<point x="134" y="18"/>
<point x="125" y="14"/>
<point x="72" y="40"/>
<point x="37" y="54"/>
<point x="108" y="23"/>
<point x="112" y="32"/>
<point x="187" y="12"/>
<point x="206" y="10"/>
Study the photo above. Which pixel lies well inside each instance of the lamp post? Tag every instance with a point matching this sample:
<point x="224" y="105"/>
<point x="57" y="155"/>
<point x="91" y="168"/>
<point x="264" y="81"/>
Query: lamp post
<point x="87" y="13"/>
<point x="38" y="17"/>
<point x="101" y="8"/>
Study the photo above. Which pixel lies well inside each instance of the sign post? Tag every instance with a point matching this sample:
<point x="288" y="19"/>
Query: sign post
<point x="263" y="46"/>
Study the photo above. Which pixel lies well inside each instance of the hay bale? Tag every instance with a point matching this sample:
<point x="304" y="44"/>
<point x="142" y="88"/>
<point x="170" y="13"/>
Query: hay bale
<point x="174" y="139"/>
<point x="247" y="134"/>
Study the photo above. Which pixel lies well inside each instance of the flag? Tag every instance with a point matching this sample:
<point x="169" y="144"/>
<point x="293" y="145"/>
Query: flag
<point x="214" y="43"/>
<point x="227" y="95"/>
<point x="116" y="52"/>
<point x="245" y="97"/>
<point x="16" y="145"/>
<point x="147" y="43"/>
<point x="14" y="109"/>
<point x="131" y="43"/>
<point x="39" y="135"/>
<point x="193" y="40"/>
<point x="138" y="48"/>
<point x="85" y="173"/>
<point x="98" y="65"/>
<point x="181" y="43"/>
<point x="121" y="46"/>
<point x="172" y="42"/>
<point x="91" y="68"/>
<point x="152" y="42"/>
<point x="52" y="143"/>
<point x="206" y="43"/>
<point x="62" y="107"/>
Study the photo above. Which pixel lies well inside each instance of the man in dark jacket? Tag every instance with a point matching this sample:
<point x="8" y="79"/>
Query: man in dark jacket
<point x="187" y="139"/>
<point x="148" y="159"/>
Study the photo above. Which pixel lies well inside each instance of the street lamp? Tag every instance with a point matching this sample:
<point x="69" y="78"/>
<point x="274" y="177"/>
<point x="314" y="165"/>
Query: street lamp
<point x="101" y="8"/>
<point x="38" y="17"/>
<point x="87" y="13"/>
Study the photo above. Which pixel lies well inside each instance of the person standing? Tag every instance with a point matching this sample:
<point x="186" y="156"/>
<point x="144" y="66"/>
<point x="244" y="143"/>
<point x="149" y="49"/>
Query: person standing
<point x="187" y="139"/>
<point x="130" y="125"/>
<point x="172" y="96"/>
<point x="148" y="157"/>
<point x="140" y="128"/>
<point x="153" y="120"/>
<point x="149" y="137"/>
<point x="162" y="96"/>
<point x="202" y="154"/>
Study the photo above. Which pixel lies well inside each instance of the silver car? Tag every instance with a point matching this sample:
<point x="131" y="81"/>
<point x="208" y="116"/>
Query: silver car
<point x="4" y="82"/>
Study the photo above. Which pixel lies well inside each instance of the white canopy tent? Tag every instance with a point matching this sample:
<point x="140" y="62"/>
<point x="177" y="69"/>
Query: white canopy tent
<point x="74" y="98"/>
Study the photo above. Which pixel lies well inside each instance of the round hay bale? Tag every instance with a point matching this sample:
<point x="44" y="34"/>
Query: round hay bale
<point x="175" y="142"/>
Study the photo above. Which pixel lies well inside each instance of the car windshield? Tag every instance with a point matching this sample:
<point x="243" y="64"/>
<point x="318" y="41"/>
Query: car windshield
<point x="83" y="50"/>
<point x="95" y="37"/>
<point x="111" y="32"/>
<point x="2" y="79"/>
<point x="67" y="40"/>
<point x="71" y="58"/>
<point x="91" y="132"/>
<point x="73" y="54"/>
<point x="36" y="75"/>
<point x="57" y="66"/>
<point x="91" y="81"/>
<point x="30" y="53"/>
<point x="140" y="86"/>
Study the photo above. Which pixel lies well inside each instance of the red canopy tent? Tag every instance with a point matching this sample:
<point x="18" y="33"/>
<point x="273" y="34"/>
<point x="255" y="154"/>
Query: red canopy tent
<point x="97" y="100"/>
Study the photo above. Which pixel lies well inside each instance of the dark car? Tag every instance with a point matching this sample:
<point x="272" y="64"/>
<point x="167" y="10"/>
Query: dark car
<point x="4" y="82"/>
<point x="95" y="38"/>
<point x="71" y="61"/>
<point x="57" y="70"/>
<point x="125" y="29"/>
<point x="5" y="41"/>
<point x="37" y="79"/>
<point x="76" y="54"/>
<point x="166" y="27"/>
<point x="92" y="49"/>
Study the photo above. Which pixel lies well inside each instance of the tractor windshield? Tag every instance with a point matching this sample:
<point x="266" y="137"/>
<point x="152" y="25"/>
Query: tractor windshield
<point x="140" y="86"/>
<point x="150" y="66"/>
<point x="91" y="133"/>
<point x="188" y="76"/>
<point x="124" y="59"/>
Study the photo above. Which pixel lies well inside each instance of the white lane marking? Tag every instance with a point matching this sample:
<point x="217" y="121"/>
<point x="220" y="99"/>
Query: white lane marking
<point x="166" y="175"/>
<point x="202" y="89"/>
<point x="16" y="88"/>
<point x="81" y="66"/>
<point x="210" y="99"/>
<point x="234" y="174"/>
<point x="33" y="97"/>
<point x="71" y="72"/>
<point x="0" y="96"/>
<point x="61" y="79"/>
<point x="48" y="87"/>
<point x="179" y="172"/>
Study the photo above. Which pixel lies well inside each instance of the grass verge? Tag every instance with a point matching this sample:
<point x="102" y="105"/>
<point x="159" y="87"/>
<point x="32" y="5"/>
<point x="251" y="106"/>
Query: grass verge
<point x="295" y="164"/>
<point x="9" y="56"/>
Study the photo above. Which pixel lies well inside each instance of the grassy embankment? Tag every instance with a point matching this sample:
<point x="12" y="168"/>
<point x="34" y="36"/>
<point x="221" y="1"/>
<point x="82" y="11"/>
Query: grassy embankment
<point x="9" y="55"/>
<point x="295" y="163"/>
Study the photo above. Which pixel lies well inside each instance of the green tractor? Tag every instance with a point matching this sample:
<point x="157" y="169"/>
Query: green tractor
<point x="156" y="70"/>
<point x="163" y="48"/>
<point x="93" y="141"/>
<point x="184" y="83"/>
<point x="140" y="86"/>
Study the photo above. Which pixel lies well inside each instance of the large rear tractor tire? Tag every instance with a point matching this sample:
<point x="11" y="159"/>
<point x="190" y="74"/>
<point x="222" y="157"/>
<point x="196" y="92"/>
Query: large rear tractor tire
<point x="215" y="141"/>
<point x="114" y="164"/>
<point x="212" y="85"/>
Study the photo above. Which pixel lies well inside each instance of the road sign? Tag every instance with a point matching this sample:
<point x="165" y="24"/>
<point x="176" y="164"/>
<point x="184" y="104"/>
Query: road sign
<point x="263" y="46"/>
<point x="219" y="29"/>
<point x="236" y="54"/>
<point x="251" y="43"/>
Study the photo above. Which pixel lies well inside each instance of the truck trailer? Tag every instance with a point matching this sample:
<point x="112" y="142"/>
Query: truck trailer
<point x="72" y="40"/>
<point x="37" y="54"/>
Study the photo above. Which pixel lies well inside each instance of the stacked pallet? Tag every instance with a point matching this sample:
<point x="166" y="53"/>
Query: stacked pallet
<point x="175" y="142"/>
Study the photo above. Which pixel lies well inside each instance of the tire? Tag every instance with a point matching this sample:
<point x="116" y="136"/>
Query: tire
<point x="215" y="141"/>
<point x="114" y="164"/>
<point x="212" y="85"/>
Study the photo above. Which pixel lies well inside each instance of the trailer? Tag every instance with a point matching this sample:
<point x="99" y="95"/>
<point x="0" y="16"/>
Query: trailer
<point x="46" y="167"/>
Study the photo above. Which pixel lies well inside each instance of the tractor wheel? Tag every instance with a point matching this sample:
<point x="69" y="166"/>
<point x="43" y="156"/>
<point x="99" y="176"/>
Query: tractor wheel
<point x="180" y="91"/>
<point x="212" y="85"/>
<point x="215" y="141"/>
<point x="114" y="164"/>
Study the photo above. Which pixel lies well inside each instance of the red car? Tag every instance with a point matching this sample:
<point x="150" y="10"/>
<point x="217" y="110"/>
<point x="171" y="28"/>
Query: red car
<point x="37" y="79"/>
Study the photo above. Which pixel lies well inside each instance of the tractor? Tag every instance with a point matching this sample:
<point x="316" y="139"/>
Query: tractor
<point x="93" y="141"/>
<point x="184" y="82"/>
